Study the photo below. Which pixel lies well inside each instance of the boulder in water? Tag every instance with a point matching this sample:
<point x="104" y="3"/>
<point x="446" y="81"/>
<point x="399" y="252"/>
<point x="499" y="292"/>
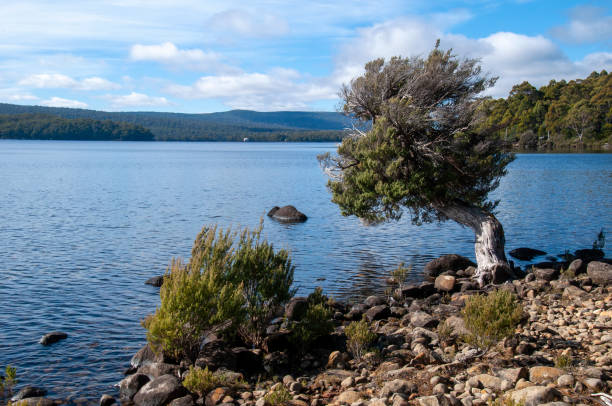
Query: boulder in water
<point x="52" y="337"/>
<point x="526" y="254"/>
<point x="287" y="214"/>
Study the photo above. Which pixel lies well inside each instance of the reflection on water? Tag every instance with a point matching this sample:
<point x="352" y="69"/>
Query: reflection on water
<point x="84" y="224"/>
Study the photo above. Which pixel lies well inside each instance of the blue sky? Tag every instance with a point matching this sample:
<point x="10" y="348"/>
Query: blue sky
<point x="201" y="56"/>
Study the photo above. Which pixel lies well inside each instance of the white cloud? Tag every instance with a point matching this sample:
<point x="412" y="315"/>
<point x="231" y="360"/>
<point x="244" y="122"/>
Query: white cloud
<point x="168" y="53"/>
<point x="61" y="102"/>
<point x="513" y="57"/>
<point x="587" y="24"/>
<point x="138" y="100"/>
<point x="244" y="23"/>
<point x="60" y="81"/>
<point x="279" y="89"/>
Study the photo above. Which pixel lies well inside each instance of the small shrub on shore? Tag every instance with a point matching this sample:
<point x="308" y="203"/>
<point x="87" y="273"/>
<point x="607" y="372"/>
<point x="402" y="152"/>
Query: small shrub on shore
<point x="563" y="361"/>
<point x="445" y="331"/>
<point x="201" y="381"/>
<point x="316" y="322"/>
<point x="8" y="381"/>
<point x="491" y="318"/>
<point x="359" y="338"/>
<point x="279" y="396"/>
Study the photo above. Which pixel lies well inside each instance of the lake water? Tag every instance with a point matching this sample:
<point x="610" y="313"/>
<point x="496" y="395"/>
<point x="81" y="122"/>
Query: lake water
<point x="84" y="224"/>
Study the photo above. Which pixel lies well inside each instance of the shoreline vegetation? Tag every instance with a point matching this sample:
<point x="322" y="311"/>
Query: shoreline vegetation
<point x="574" y="116"/>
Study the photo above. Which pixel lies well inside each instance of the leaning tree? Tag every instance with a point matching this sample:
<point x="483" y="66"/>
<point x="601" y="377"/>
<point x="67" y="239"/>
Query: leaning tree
<point x="427" y="150"/>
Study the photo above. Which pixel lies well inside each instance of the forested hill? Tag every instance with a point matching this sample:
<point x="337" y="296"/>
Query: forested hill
<point x="232" y="125"/>
<point x="574" y="115"/>
<point x="48" y="127"/>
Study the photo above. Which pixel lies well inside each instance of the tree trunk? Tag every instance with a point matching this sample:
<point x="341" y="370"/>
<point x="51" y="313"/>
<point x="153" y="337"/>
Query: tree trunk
<point x="490" y="240"/>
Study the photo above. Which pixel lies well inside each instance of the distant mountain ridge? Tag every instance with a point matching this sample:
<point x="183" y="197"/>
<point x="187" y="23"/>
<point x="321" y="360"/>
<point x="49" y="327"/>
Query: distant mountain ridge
<point x="231" y="125"/>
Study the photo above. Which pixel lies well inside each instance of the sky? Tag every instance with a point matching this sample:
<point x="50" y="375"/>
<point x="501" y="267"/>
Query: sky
<point x="199" y="56"/>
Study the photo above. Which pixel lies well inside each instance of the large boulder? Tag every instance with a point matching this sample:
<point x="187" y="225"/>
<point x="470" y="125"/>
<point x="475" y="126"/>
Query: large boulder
<point x="29" y="392"/>
<point x="450" y="262"/>
<point x="287" y="214"/>
<point x="129" y="386"/>
<point x="53" y="337"/>
<point x="589" y="254"/>
<point x="600" y="272"/>
<point x="160" y="391"/>
<point x="526" y="254"/>
<point x="535" y="395"/>
<point x="296" y="308"/>
<point x="145" y="356"/>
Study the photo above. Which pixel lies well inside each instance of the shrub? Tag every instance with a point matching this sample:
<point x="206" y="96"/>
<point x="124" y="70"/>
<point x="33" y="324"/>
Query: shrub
<point x="563" y="361"/>
<point x="201" y="381"/>
<point x="400" y="274"/>
<point x="266" y="277"/>
<point x="491" y="318"/>
<point x="316" y="322"/>
<point x="359" y="337"/>
<point x="277" y="397"/>
<point x="445" y="331"/>
<point x="600" y="241"/>
<point x="8" y="381"/>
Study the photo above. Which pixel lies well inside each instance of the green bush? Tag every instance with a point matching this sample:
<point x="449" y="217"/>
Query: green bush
<point x="315" y="323"/>
<point x="563" y="361"/>
<point x="359" y="337"/>
<point x="491" y="318"/>
<point x="201" y="381"/>
<point x="8" y="381"/>
<point x="233" y="283"/>
<point x="278" y="397"/>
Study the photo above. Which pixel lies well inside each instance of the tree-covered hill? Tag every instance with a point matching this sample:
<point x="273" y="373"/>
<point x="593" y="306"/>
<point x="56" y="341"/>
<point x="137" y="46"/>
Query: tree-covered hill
<point x="48" y="127"/>
<point x="574" y="115"/>
<point x="232" y="125"/>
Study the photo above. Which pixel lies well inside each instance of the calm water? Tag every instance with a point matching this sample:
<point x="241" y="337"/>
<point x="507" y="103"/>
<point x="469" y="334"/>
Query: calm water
<point x="84" y="224"/>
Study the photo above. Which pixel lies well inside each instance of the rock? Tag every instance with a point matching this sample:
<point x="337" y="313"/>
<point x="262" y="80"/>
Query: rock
<point x="278" y="341"/>
<point x="145" y="356"/>
<point x="445" y="283"/>
<point x="490" y="382"/>
<point x="38" y="401"/>
<point x="547" y="274"/>
<point x="296" y="308"/>
<point x="600" y="272"/>
<point x="422" y="319"/>
<point x="159" y="391"/>
<point x="156" y="281"/>
<point x="535" y="395"/>
<point x="573" y="292"/>
<point x="398" y="386"/>
<point x="458" y="326"/>
<point x="215" y="396"/>
<point x="378" y="313"/>
<point x="106" y="400"/>
<point x="501" y="273"/>
<point x="565" y="380"/>
<point x="287" y="214"/>
<point x="129" y="386"/>
<point x="451" y="262"/>
<point x="589" y="254"/>
<point x="439" y="400"/>
<point x="29" y="392"/>
<point x="157" y="369"/>
<point x="513" y="374"/>
<point x="182" y="401"/>
<point x="577" y="266"/>
<point x="526" y="254"/>
<point x="53" y="337"/>
<point x="417" y="290"/>
<point x="349" y="396"/>
<point x="542" y="374"/>
<point x="348" y="382"/>
<point x="372" y="301"/>
<point x="333" y="376"/>
<point x="594" y="384"/>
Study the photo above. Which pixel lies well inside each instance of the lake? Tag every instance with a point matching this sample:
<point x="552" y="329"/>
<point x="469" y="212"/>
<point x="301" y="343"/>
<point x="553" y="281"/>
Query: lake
<point x="84" y="224"/>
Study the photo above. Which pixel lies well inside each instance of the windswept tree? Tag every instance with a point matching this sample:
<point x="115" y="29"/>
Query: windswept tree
<point x="427" y="150"/>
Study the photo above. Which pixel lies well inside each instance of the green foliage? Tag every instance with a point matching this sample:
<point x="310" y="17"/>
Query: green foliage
<point x="505" y="401"/>
<point x="559" y="116"/>
<point x="600" y="242"/>
<point x="266" y="277"/>
<point x="8" y="381"/>
<point x="48" y="127"/>
<point x="201" y="381"/>
<point x="359" y="338"/>
<point x="445" y="331"/>
<point x="563" y="361"/>
<point x="491" y="318"/>
<point x="409" y="160"/>
<point x="279" y="396"/>
<point x="400" y="274"/>
<point x="568" y="274"/>
<point x="316" y="322"/>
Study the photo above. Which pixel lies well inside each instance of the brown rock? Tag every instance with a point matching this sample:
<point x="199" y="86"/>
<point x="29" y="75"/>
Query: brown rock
<point x="445" y="283"/>
<point x="541" y="374"/>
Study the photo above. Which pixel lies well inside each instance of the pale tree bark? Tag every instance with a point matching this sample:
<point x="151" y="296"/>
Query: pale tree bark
<point x="490" y="240"/>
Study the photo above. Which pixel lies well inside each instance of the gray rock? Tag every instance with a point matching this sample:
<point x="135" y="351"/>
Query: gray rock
<point x="565" y="380"/>
<point x="53" y="337"/>
<point x="296" y="308"/>
<point x="513" y="374"/>
<point x="600" y="272"/>
<point x="182" y="401"/>
<point x="525" y="254"/>
<point x="398" y="386"/>
<point x="372" y="301"/>
<point x="144" y="356"/>
<point x="422" y="319"/>
<point x="159" y="391"/>
<point x="106" y="400"/>
<point x="129" y="386"/>
<point x="547" y="274"/>
<point x="29" y="392"/>
<point x="378" y="313"/>
<point x="535" y="395"/>
<point x="156" y="281"/>
<point x="577" y="266"/>
<point x="450" y="262"/>
<point x="287" y="214"/>
<point x="157" y="369"/>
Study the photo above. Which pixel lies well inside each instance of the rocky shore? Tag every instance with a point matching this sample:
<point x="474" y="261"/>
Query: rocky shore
<point x="560" y="354"/>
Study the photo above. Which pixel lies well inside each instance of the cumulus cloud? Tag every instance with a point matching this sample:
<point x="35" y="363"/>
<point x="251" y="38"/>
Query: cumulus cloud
<point x="513" y="57"/>
<point x="138" y="100"/>
<point x="246" y="24"/>
<point x="59" y="81"/>
<point x="61" y="102"/>
<point x="587" y="24"/>
<point x="169" y="54"/>
<point x="279" y="89"/>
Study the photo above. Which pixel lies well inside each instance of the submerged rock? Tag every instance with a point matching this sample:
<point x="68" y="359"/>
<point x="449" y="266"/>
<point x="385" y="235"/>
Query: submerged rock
<point x="29" y="392"/>
<point x="526" y="254"/>
<point x="450" y="262"/>
<point x="156" y="281"/>
<point x="53" y="337"/>
<point x="287" y="214"/>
